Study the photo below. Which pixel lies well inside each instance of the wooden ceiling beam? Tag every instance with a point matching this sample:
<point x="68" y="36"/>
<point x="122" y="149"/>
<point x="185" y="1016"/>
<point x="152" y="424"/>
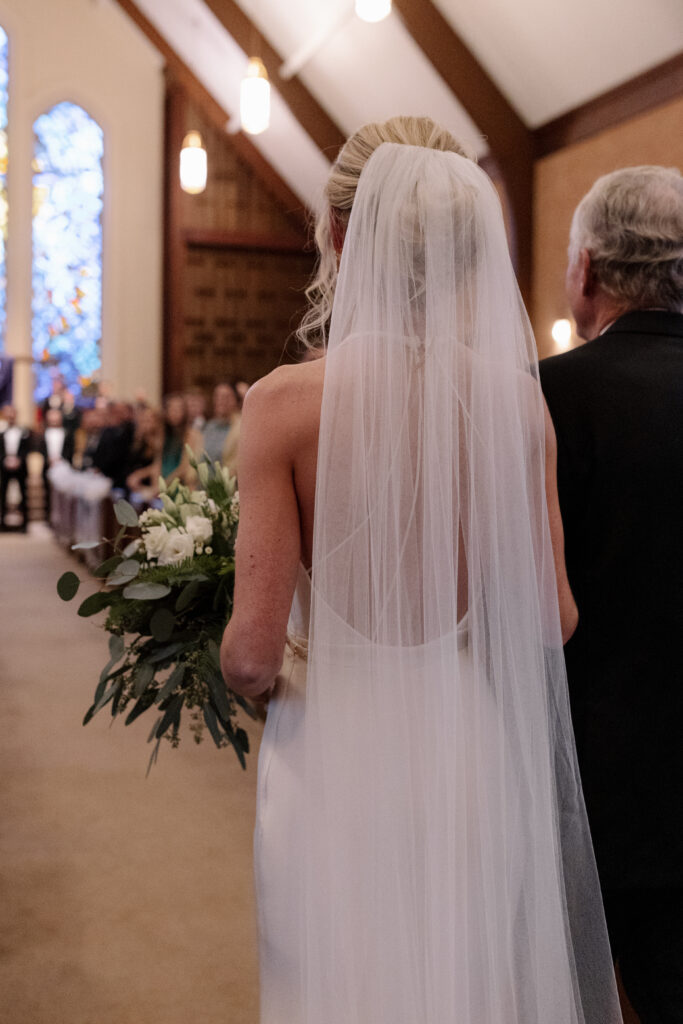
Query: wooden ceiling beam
<point x="650" y="89"/>
<point x="296" y="212"/>
<point x="509" y="139"/>
<point x="315" y="121"/>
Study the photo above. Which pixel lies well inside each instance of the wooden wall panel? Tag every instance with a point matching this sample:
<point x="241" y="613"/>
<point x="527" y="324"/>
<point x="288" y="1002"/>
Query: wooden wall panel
<point x="237" y="265"/>
<point x="234" y="198"/>
<point x="241" y="309"/>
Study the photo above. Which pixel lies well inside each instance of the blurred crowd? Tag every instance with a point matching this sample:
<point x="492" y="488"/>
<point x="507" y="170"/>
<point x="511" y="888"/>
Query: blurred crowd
<point x="132" y="444"/>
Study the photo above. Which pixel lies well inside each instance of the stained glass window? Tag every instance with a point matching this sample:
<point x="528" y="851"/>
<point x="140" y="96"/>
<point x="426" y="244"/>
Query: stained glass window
<point x="68" y="187"/>
<point x="4" y="79"/>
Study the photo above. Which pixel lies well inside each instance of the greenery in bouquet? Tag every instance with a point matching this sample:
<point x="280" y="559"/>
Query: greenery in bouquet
<point x="167" y="592"/>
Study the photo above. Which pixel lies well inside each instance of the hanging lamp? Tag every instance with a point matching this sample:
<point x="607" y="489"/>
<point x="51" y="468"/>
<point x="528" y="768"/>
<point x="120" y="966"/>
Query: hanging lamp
<point x="373" y="10"/>
<point x="193" y="164"/>
<point x="255" y="98"/>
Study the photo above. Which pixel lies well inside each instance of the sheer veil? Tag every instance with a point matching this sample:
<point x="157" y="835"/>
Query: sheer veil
<point x="449" y="876"/>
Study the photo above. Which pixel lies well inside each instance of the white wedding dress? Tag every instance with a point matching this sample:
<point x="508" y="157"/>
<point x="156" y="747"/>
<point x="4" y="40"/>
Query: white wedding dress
<point x="422" y="849"/>
<point x="278" y="836"/>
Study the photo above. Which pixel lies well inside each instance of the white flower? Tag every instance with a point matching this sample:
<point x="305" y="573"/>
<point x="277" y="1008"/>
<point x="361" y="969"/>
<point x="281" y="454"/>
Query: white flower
<point x="155" y="539"/>
<point x="208" y="550"/>
<point x="199" y="528"/>
<point x="179" y="546"/>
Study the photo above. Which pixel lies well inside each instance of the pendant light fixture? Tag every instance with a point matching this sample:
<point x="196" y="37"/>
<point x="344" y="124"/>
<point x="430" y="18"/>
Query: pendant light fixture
<point x="255" y="98"/>
<point x="373" y="10"/>
<point x="193" y="164"/>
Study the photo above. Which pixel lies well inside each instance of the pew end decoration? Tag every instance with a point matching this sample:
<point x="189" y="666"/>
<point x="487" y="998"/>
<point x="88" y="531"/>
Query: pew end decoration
<point x="167" y="593"/>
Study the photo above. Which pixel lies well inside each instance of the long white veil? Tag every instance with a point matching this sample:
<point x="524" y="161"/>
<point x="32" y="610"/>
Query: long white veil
<point x="449" y="876"/>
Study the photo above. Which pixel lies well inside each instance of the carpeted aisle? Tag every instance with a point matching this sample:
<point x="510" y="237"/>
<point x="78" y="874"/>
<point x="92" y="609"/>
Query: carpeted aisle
<point x="125" y="900"/>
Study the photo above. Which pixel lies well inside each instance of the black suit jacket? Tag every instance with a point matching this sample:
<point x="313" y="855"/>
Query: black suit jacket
<point x="617" y="407"/>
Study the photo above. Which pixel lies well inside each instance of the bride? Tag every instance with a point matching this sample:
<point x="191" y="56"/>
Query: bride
<point x="422" y="852"/>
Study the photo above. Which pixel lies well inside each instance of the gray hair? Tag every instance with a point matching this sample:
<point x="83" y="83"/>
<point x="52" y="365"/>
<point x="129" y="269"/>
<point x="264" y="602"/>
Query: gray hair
<point x="631" y="223"/>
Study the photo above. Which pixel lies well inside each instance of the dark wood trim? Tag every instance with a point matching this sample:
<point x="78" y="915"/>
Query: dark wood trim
<point x="312" y="117"/>
<point x="644" y="92"/>
<point x="214" y="112"/>
<point x="510" y="141"/>
<point x="258" y="241"/>
<point x="174" y="249"/>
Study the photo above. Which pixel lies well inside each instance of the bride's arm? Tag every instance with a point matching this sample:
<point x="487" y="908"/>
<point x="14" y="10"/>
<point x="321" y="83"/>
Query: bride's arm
<point x="569" y="615"/>
<point x="268" y="539"/>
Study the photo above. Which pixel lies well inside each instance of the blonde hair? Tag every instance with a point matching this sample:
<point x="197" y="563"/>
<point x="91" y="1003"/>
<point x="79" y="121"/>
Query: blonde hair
<point x="340" y="192"/>
<point x="631" y="223"/>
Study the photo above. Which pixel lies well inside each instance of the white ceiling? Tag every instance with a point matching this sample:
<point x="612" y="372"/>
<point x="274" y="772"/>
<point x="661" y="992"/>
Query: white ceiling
<point x="546" y="57"/>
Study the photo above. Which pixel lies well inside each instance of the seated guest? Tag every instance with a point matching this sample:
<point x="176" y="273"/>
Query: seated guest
<point x="55" y="445"/>
<point x="15" y="444"/>
<point x="225" y="408"/>
<point x="196" y="408"/>
<point x="229" y="455"/>
<point x="144" y="461"/>
<point x="87" y="437"/>
<point x="112" y="452"/>
<point x="177" y="435"/>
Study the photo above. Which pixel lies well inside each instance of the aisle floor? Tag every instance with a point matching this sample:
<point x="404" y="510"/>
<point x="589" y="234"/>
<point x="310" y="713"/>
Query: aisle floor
<point x="125" y="899"/>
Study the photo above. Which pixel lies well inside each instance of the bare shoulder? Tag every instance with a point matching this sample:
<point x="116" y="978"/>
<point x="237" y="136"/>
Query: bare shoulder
<point x="288" y="399"/>
<point x="284" y="388"/>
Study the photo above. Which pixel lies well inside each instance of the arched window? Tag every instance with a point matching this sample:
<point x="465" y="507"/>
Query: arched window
<point x="4" y="80"/>
<point x="68" y="188"/>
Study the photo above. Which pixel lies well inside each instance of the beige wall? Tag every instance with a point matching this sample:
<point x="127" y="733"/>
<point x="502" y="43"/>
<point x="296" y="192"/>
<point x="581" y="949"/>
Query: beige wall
<point x="561" y="180"/>
<point x="89" y="52"/>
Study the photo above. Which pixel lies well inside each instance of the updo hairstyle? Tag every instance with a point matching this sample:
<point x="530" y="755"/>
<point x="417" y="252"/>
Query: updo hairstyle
<point x="339" y="195"/>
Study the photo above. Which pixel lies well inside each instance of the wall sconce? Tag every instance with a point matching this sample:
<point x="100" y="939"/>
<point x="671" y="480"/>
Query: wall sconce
<point x="255" y="98"/>
<point x="562" y="333"/>
<point x="193" y="164"/>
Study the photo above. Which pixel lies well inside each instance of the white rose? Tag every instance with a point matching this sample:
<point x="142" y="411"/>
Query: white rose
<point x="179" y="546"/>
<point x="199" y="528"/>
<point x="155" y="539"/>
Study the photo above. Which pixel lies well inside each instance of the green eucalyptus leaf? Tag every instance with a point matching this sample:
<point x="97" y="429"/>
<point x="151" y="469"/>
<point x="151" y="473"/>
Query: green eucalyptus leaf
<point x="220" y="696"/>
<point x="173" y="681"/>
<point x="124" y="572"/>
<point x="146" y="591"/>
<point x="67" y="586"/>
<point x="125" y="513"/>
<point x="142" y="677"/>
<point x="154" y="757"/>
<point x="108" y="566"/>
<point x="245" y="705"/>
<point x="214" y="653"/>
<point x="242" y="739"/>
<point x="89" y="713"/>
<point x="166" y="653"/>
<point x="187" y="595"/>
<point x="86" y="545"/>
<point x="94" y="604"/>
<point x="117" y="647"/>
<point x="212" y="723"/>
<point x="161" y="624"/>
<point x="172" y="715"/>
<point x="117" y="699"/>
<point x="145" y="702"/>
<point x="105" y="698"/>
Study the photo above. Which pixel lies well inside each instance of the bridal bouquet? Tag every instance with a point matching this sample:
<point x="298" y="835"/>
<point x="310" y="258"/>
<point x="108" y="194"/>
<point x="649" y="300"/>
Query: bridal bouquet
<point x="168" y="595"/>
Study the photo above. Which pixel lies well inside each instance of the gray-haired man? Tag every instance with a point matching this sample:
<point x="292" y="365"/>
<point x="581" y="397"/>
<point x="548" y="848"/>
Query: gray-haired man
<point x="617" y="406"/>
